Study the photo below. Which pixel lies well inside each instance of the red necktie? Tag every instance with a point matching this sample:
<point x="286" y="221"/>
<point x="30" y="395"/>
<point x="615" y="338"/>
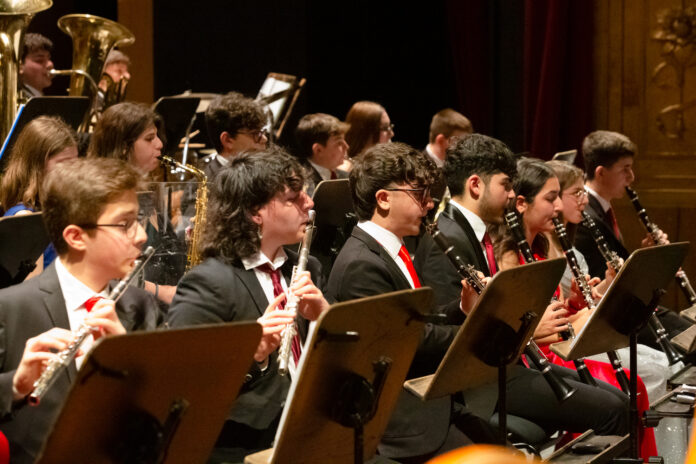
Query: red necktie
<point x="614" y="224"/>
<point x="488" y="245"/>
<point x="406" y="258"/>
<point x="89" y="304"/>
<point x="277" y="290"/>
<point x="333" y="175"/>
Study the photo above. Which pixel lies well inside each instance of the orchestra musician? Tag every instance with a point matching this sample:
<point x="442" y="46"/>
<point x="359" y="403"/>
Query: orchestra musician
<point x="257" y="206"/>
<point x="445" y="126"/>
<point x="369" y="125"/>
<point x="35" y="65"/>
<point x="608" y="160"/>
<point x="90" y="209"/>
<point x="235" y="124"/>
<point x="43" y="144"/>
<point x="389" y="185"/>
<point x="322" y="147"/>
<point x="480" y="171"/>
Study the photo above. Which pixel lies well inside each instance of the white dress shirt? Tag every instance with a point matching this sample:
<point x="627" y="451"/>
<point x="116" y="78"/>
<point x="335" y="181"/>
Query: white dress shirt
<point x="324" y="173"/>
<point x="75" y="293"/>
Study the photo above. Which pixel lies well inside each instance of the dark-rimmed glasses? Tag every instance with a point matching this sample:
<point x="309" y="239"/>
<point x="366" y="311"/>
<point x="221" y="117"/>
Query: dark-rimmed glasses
<point x="256" y="135"/>
<point x="420" y="195"/>
<point x="130" y="227"/>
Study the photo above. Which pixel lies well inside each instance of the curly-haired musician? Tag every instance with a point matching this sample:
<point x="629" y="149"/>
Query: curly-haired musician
<point x="256" y="207"/>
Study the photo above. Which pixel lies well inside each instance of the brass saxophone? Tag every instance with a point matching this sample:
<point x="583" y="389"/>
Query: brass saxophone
<point x="193" y="256"/>
<point x="65" y="357"/>
<point x="290" y="331"/>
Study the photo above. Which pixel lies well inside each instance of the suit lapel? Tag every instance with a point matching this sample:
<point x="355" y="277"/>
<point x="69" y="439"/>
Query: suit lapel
<point x="248" y="278"/>
<point x="594" y="209"/>
<point x="461" y="221"/>
<point x="54" y="304"/>
<point x="375" y="247"/>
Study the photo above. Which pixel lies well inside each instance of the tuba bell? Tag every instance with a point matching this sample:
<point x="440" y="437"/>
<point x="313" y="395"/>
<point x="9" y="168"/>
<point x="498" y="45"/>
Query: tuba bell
<point x="93" y="38"/>
<point x="15" y="16"/>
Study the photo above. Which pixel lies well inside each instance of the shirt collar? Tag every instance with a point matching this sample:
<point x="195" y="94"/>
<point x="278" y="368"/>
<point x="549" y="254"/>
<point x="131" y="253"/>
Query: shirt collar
<point x="475" y="222"/>
<point x="390" y="242"/>
<point x="606" y="204"/>
<point x="75" y="293"/>
<point x="259" y="259"/>
<point x="324" y="173"/>
<point x="222" y="160"/>
<point x="438" y="162"/>
<point x="34" y="91"/>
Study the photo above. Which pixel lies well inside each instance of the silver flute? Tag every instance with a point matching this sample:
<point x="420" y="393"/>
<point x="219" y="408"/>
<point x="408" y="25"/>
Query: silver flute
<point x="63" y="359"/>
<point x="290" y="331"/>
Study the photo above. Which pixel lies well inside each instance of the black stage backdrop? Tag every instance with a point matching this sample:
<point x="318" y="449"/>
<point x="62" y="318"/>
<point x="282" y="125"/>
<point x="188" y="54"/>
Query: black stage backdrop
<point x="519" y="69"/>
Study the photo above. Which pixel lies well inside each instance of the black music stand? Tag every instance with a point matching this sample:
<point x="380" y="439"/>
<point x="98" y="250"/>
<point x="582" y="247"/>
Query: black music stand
<point x="350" y="377"/>
<point x="624" y="310"/>
<point x="72" y="110"/>
<point x="335" y="220"/>
<point x="153" y="397"/>
<point x="22" y="240"/>
<point x="494" y="333"/>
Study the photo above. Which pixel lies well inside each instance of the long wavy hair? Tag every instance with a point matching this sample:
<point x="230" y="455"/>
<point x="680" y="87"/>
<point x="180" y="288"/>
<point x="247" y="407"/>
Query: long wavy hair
<point x="41" y="139"/>
<point x="238" y="191"/>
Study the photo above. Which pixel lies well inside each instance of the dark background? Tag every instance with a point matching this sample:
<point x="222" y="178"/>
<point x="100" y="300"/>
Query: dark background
<point x="519" y="69"/>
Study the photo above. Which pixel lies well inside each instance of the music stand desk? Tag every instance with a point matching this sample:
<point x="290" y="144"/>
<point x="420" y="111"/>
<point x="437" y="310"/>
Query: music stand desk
<point x="608" y="327"/>
<point x="388" y="328"/>
<point x="332" y="201"/>
<point x="506" y="299"/>
<point x="182" y="382"/>
<point x="22" y="239"/>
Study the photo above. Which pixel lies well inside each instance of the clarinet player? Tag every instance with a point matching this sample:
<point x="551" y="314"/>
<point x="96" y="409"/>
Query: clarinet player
<point x="256" y="207"/>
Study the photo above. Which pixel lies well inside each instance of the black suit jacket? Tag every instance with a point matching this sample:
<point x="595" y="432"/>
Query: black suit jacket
<point x="217" y="292"/>
<point x="212" y="168"/>
<point x="436" y="269"/>
<point x="27" y="310"/>
<point x="363" y="268"/>
<point x="585" y="243"/>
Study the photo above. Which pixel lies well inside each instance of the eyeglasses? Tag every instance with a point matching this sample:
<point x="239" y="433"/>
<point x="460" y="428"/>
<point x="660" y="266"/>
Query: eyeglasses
<point x="130" y="227"/>
<point x="257" y="135"/>
<point x="579" y="195"/>
<point x="420" y="195"/>
<point x="387" y="128"/>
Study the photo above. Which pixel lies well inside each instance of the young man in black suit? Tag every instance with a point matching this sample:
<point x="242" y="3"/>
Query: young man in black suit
<point x="257" y="206"/>
<point x="390" y="188"/>
<point x="322" y="146"/>
<point x="90" y="209"/>
<point x="235" y="124"/>
<point x="480" y="171"/>
<point x="609" y="170"/>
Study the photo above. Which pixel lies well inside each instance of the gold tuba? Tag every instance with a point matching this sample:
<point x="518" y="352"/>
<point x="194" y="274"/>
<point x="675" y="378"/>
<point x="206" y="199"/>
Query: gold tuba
<point x="15" y="16"/>
<point x="93" y="38"/>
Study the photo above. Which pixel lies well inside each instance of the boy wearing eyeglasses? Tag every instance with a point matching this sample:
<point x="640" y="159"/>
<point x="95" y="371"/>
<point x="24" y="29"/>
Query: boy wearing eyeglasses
<point x="390" y="188"/>
<point x="90" y="209"/>
<point x="235" y="124"/>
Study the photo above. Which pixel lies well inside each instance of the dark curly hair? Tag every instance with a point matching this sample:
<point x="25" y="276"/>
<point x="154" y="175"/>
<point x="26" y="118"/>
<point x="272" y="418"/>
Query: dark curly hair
<point x="238" y="191"/>
<point x="477" y="154"/>
<point x="231" y="113"/>
<point x="383" y="165"/>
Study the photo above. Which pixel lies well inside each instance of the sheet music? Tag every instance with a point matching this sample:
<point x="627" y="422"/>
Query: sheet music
<point x="272" y="86"/>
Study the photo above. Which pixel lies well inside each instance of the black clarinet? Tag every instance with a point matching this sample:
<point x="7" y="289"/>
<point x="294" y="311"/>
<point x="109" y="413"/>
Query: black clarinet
<point x="467" y="272"/>
<point x="653" y="230"/>
<point x="610" y="256"/>
<point x="515" y="227"/>
<point x="584" y="287"/>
